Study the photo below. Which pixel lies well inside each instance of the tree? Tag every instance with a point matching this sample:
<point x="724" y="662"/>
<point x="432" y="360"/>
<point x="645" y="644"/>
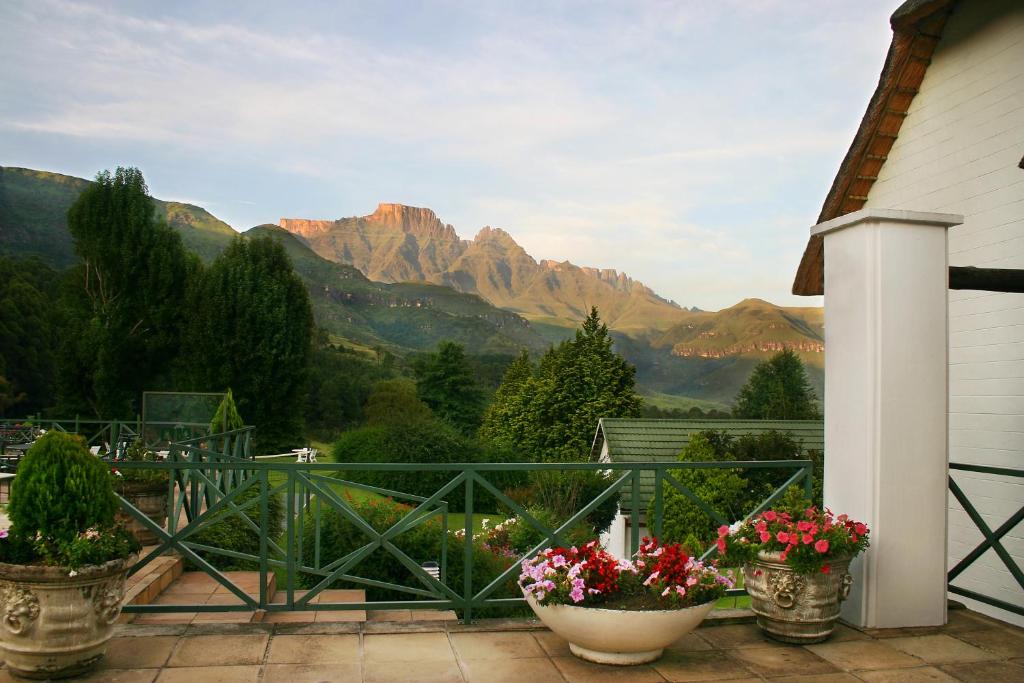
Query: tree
<point x="250" y="328"/>
<point x="778" y="389"/>
<point x="227" y="417"/>
<point x="28" y="335"/>
<point x="340" y="383"/>
<point x="445" y="382"/>
<point x="395" y="401"/>
<point x="127" y="303"/>
<point x="553" y="413"/>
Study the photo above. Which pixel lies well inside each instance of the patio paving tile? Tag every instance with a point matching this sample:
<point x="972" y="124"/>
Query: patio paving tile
<point x="219" y="650"/>
<point x="210" y="674"/>
<point x="132" y="653"/>
<point x="738" y="635"/>
<point x="1001" y="641"/>
<point x="985" y="672"/>
<point x="408" y="672"/>
<point x="496" y="645"/>
<point x="859" y="655"/>
<point x="407" y="647"/>
<point x="322" y="649"/>
<point x="700" y="666"/>
<point x="927" y="674"/>
<point x="316" y="673"/>
<point x="534" y="670"/>
<point x="940" y="649"/>
<point x="164" y="618"/>
<point x="780" y="661"/>
<point x="817" y="678"/>
<point x="576" y="670"/>
<point x="554" y="645"/>
<point x="691" y="642"/>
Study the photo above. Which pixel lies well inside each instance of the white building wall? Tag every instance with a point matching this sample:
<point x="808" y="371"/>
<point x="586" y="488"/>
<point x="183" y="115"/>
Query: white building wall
<point x="958" y="152"/>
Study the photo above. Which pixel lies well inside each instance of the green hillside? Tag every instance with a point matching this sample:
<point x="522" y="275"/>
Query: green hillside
<point x="33" y="217"/>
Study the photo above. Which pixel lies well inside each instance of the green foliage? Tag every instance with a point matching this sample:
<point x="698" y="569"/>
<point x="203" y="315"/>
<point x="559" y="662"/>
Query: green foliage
<point x="778" y="389"/>
<point x="395" y="401"/>
<point x="724" y="491"/>
<point x="62" y="504"/>
<point x="565" y="492"/>
<point x="228" y="531"/>
<point x="523" y="537"/>
<point x="250" y="328"/>
<point x="227" y="417"/>
<point x="420" y="441"/>
<point x="28" y="335"/>
<point x="340" y="382"/>
<point x="551" y="413"/>
<point x="127" y="480"/>
<point x="124" y="312"/>
<point x="445" y="381"/>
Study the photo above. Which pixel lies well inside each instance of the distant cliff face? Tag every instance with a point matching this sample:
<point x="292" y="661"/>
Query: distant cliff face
<point x="403" y="243"/>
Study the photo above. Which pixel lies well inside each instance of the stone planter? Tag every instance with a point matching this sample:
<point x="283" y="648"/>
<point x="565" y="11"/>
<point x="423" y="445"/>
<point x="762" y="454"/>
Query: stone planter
<point x="622" y="637"/>
<point x="796" y="608"/>
<point x="151" y="501"/>
<point x="53" y="625"/>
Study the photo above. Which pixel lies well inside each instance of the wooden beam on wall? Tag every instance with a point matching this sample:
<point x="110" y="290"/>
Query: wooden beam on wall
<point x="986" y="279"/>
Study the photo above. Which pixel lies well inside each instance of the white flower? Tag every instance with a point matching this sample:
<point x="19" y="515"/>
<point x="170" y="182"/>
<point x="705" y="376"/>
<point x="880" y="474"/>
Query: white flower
<point x="735" y="526"/>
<point x="72" y="573"/>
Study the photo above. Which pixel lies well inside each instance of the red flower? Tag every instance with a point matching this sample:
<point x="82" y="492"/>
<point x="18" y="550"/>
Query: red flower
<point x="808" y="539"/>
<point x="825" y="569"/>
<point x="765" y="537"/>
<point x="782" y="537"/>
<point x="761" y="526"/>
<point x="770" y="516"/>
<point x="723" y="530"/>
<point x="861" y="529"/>
<point x="821" y="546"/>
<point x="721" y="546"/>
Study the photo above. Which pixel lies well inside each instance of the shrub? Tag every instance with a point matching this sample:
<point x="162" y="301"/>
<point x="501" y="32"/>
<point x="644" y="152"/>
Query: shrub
<point x="127" y="480"/>
<point x="228" y="531"/>
<point x="420" y="441"/>
<point x="227" y="417"/>
<point x="564" y="492"/>
<point x="62" y="507"/>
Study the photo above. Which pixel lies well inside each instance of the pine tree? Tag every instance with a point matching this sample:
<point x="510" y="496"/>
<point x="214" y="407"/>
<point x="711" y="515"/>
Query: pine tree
<point x="778" y="389"/>
<point x="250" y="329"/>
<point x="445" y="382"/>
<point x="503" y="423"/>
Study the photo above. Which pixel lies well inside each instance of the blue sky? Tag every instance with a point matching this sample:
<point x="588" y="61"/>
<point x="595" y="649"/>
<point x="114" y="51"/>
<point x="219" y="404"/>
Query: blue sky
<point x="689" y="144"/>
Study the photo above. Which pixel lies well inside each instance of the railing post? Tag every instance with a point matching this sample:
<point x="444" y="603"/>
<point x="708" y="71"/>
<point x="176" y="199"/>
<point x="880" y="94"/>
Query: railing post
<point x="659" y="505"/>
<point x="634" y="514"/>
<point x="290" y="527"/>
<point x="809" y="482"/>
<point x="264" y="525"/>
<point x="467" y="558"/>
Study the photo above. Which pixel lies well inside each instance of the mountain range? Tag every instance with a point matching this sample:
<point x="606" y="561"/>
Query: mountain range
<point x="402" y="279"/>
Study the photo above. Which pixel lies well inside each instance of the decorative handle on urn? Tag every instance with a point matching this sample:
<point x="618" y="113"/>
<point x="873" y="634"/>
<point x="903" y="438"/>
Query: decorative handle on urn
<point x="845" y="584"/>
<point x="786" y="588"/>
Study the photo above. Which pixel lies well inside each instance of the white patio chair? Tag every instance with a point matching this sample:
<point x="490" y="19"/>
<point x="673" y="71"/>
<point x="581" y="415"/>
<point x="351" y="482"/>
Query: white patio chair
<point x="303" y="454"/>
<point x="95" y="450"/>
<point x="312" y="454"/>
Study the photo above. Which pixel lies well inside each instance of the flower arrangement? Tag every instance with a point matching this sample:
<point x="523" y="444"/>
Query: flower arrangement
<point x="659" y="577"/>
<point x="808" y="540"/>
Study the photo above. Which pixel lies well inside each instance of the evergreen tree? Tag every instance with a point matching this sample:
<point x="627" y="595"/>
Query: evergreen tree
<point x="502" y="421"/>
<point x="250" y="329"/>
<point x="778" y="389"/>
<point x="554" y="412"/>
<point x="445" y="382"/>
<point x="28" y="336"/>
<point x="125" y="307"/>
<point x="395" y="401"/>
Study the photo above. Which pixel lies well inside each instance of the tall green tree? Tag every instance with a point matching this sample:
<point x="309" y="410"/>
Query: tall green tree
<point x="250" y="328"/>
<point x="778" y="389"/>
<point x="126" y="300"/>
<point x="445" y="381"/>
<point x="28" y="335"/>
<point x="554" y="412"/>
<point x="395" y="401"/>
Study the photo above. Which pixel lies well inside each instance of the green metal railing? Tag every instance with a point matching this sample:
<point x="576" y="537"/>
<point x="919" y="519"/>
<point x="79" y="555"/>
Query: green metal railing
<point x="992" y="538"/>
<point x="206" y="485"/>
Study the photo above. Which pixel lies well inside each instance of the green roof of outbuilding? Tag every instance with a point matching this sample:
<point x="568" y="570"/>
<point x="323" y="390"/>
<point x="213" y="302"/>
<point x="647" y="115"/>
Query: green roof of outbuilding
<point x="641" y="440"/>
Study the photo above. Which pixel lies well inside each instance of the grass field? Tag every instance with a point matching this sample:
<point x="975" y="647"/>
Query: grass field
<point x="670" y="402"/>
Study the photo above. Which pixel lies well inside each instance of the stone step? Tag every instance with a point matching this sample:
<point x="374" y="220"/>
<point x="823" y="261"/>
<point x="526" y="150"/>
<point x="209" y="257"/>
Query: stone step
<point x="145" y="585"/>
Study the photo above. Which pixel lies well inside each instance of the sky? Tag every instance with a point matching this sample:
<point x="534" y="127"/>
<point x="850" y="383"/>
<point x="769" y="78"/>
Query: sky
<point x="689" y="144"/>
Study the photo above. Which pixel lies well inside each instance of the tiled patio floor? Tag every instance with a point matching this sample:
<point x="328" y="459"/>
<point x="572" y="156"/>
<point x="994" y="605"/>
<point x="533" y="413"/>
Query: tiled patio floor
<point x="970" y="648"/>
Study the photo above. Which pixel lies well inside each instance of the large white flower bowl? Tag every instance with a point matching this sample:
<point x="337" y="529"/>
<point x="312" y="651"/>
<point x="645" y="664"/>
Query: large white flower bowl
<point x="621" y="637"/>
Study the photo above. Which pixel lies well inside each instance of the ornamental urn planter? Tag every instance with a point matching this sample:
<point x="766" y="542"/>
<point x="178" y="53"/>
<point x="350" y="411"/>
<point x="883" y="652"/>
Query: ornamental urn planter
<point x="621" y="637"/>
<point x="796" y="608"/>
<point x="151" y="501"/>
<point x="53" y="625"/>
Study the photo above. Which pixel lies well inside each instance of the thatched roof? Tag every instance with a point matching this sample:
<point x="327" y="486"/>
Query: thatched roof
<point x="917" y="28"/>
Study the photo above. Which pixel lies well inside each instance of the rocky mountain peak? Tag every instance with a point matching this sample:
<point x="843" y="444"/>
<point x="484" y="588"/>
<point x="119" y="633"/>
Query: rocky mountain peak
<point x="418" y="221"/>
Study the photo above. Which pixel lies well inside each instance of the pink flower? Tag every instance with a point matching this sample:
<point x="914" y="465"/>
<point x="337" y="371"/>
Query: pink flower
<point x="723" y="530"/>
<point x="681" y="591"/>
<point x="651" y="579"/>
<point x="770" y="516"/>
<point x="821" y="546"/>
<point x="760" y="526"/>
<point x="808" y="539"/>
<point x="860" y="529"/>
<point x="782" y="537"/>
<point x="765" y="537"/>
<point x="721" y="545"/>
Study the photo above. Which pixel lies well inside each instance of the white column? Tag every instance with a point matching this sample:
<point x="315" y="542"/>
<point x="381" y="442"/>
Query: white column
<point x="886" y="407"/>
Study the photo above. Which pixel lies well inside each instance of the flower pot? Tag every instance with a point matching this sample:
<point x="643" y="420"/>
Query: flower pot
<point x="623" y="637"/>
<point x="53" y="625"/>
<point x="152" y="502"/>
<point x="796" y="608"/>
